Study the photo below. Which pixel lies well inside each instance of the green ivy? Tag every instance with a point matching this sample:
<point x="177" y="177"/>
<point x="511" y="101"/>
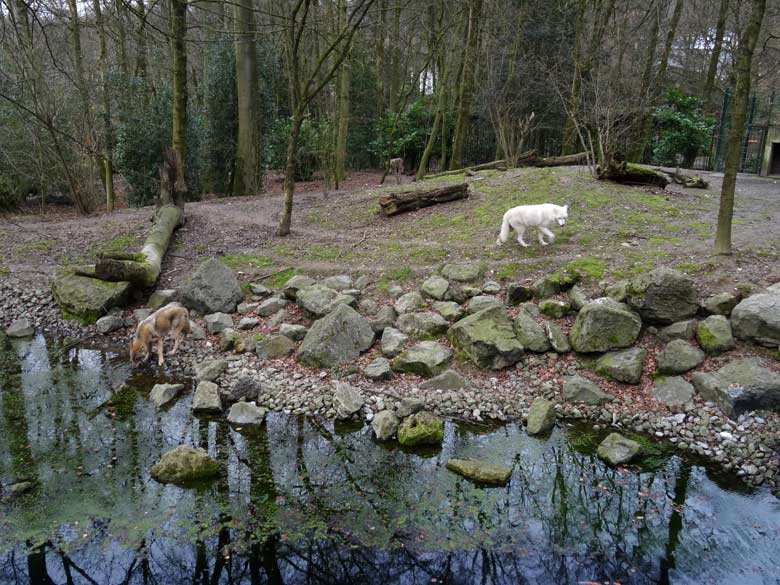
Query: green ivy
<point x="683" y="130"/>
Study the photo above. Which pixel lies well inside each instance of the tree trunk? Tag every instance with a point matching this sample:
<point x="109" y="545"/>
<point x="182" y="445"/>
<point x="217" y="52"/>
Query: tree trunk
<point x="381" y="33"/>
<point x="342" y="129"/>
<point x="108" y="134"/>
<point x="631" y="174"/>
<point x="179" y="73"/>
<point x="712" y="69"/>
<point x="647" y="74"/>
<point x="466" y="84"/>
<point x="289" y="174"/>
<point x="75" y="41"/>
<point x="141" y="58"/>
<point x="120" y="12"/>
<point x="247" y="179"/>
<point x="743" y="66"/>
<point x="395" y="64"/>
<point x="395" y="203"/>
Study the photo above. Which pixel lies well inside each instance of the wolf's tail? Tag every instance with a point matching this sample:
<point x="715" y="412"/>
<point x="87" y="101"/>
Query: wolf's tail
<point x="504" y="234"/>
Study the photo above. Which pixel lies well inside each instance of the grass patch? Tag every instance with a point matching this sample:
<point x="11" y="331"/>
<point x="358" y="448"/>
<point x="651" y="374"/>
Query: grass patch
<point x="592" y="267"/>
<point x="508" y="271"/>
<point x="280" y="278"/>
<point x="701" y="228"/>
<point x="245" y="260"/>
<point x="42" y="246"/>
<point x="118" y="245"/>
<point x="659" y="240"/>
<point x="394" y="275"/>
<point x="322" y="253"/>
<point x="4" y="271"/>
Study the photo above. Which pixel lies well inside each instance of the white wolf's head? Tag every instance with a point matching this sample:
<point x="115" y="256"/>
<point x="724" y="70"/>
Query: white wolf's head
<point x="563" y="215"/>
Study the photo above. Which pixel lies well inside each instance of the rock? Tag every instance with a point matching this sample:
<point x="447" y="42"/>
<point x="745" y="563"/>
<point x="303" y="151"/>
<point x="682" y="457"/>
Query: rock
<point x="449" y="310"/>
<point x="740" y="386"/>
<point x="335" y="339"/>
<point x="541" y="416"/>
<point x="316" y="300"/>
<point x="216" y="322"/>
<point x="230" y="339"/>
<point x="395" y="291"/>
<point x="275" y="347"/>
<point x="617" y="449"/>
<point x="435" y="287"/>
<point x="679" y="330"/>
<point x="246" y="308"/>
<point x="346" y="400"/>
<point x="426" y="358"/>
<point x="21" y="328"/>
<point x="517" y="293"/>
<point x="480" y="472"/>
<point x="554" y="308"/>
<point x="422" y="323"/>
<point x="491" y="287"/>
<point x="579" y="389"/>
<point x="720" y="304"/>
<point x="185" y="464"/>
<point x="246" y="388"/>
<point x="393" y="342"/>
<point x="162" y="297"/>
<point x="209" y="370"/>
<point x="247" y="323"/>
<point x="17" y="489"/>
<point x="384" y="318"/>
<point x="714" y="335"/>
<point x="212" y="289"/>
<point x="259" y="290"/>
<point x="108" y="324"/>
<point x="385" y="425"/>
<point x="378" y="369"/>
<point x="196" y="331"/>
<point x="246" y="414"/>
<point x="460" y="293"/>
<point x="678" y="357"/>
<point x="447" y="380"/>
<point x="546" y="286"/>
<point x="624" y="366"/>
<point x="87" y="299"/>
<point x="577" y="298"/>
<point x="162" y="394"/>
<point x="604" y="325"/>
<point x="206" y="399"/>
<point x="296" y="283"/>
<point x="482" y="302"/>
<point x="294" y="332"/>
<point x="558" y="340"/>
<point x="409" y="302"/>
<point x="422" y="428"/>
<point x="368" y="306"/>
<point x="757" y="319"/>
<point x="530" y="334"/>
<point x="462" y="272"/>
<point x="487" y="338"/>
<point x="617" y="291"/>
<point x="340" y="282"/>
<point x="672" y="391"/>
<point x="531" y="309"/>
<point x="663" y="296"/>
<point x="409" y="406"/>
<point x="363" y="281"/>
<point x="278" y="318"/>
<point x="141" y="314"/>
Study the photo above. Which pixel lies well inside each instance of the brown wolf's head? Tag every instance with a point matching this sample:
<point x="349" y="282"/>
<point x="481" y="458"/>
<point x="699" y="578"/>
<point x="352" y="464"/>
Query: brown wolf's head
<point x="135" y="348"/>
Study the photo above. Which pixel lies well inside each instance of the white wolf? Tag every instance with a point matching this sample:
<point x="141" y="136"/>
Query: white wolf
<point x="539" y="216"/>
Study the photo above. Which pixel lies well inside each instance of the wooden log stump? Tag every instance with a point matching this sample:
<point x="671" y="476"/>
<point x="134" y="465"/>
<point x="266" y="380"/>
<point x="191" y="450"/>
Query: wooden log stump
<point x="395" y="203"/>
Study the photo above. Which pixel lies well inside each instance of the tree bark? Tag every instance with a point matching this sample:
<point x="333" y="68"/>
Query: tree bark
<point x="247" y="179"/>
<point x="395" y="203"/>
<point x="342" y="128"/>
<point x="743" y="66"/>
<point x="289" y="174"/>
<point x="108" y="134"/>
<point x="631" y="174"/>
<point x="179" y="74"/>
<point x="712" y="69"/>
<point x="395" y="56"/>
<point x="647" y="74"/>
<point x="141" y="57"/>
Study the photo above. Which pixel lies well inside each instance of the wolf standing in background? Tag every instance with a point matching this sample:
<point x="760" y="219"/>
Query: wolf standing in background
<point x="538" y="216"/>
<point x="172" y="319"/>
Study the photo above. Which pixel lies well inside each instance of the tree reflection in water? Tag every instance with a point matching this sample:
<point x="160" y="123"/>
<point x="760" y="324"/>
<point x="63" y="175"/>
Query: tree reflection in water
<point x="304" y="501"/>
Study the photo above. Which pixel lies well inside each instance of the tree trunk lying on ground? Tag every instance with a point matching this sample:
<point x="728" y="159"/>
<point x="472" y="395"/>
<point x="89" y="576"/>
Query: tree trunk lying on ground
<point x="499" y="165"/>
<point x="630" y="174"/>
<point x="526" y="159"/>
<point x="695" y="182"/>
<point x="395" y="203"/>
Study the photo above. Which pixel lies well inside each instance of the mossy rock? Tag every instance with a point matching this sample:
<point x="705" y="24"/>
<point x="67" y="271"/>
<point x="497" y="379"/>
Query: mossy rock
<point x="87" y="299"/>
<point x="422" y="428"/>
<point x="480" y="472"/>
<point x="185" y="464"/>
<point x="617" y="449"/>
<point x="714" y="335"/>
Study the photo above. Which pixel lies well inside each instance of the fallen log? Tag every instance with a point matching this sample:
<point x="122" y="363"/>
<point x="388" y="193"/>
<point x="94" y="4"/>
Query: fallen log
<point x="627" y="173"/>
<point x="499" y="165"/>
<point x="395" y="203"/>
<point x="695" y="182"/>
<point x="580" y="158"/>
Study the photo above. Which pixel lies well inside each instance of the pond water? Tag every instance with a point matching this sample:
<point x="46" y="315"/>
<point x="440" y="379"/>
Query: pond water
<point x="307" y="501"/>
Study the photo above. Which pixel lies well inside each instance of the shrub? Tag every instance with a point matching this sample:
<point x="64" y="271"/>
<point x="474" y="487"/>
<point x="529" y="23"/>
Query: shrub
<point x="683" y="130"/>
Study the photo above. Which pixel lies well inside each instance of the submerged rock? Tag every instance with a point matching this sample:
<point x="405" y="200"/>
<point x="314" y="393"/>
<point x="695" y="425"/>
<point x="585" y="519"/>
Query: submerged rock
<point x="624" y="366"/>
<point x="385" y="425"/>
<point x="617" y="449"/>
<point x="185" y="464"/>
<point x="426" y="358"/>
<point x="246" y="414"/>
<point x="162" y="394"/>
<point x="488" y="338"/>
<point x="604" y="325"/>
<point x="422" y="428"/>
<point x="212" y="289"/>
<point x="541" y="416"/>
<point x="480" y="472"/>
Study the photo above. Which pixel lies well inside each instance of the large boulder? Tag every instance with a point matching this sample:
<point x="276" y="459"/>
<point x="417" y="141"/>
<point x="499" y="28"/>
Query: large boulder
<point x="530" y="334"/>
<point x="678" y="357"/>
<point x="603" y="325"/>
<point x="541" y="416"/>
<point x="87" y="299"/>
<point x="663" y="296"/>
<point x="411" y="301"/>
<point x="447" y="380"/>
<point x="672" y="391"/>
<point x="462" y="272"/>
<point x="335" y="339"/>
<point x="422" y="323"/>
<point x="426" y="358"/>
<point x="246" y="414"/>
<point x="385" y="425"/>
<point x="580" y="389"/>
<point x="108" y="324"/>
<point x="217" y="322"/>
<point x="274" y="347"/>
<point x="435" y="287"/>
<point x="347" y="400"/>
<point x="162" y="394"/>
<point x="212" y="289"/>
<point x="185" y="464"/>
<point x="482" y="302"/>
<point x="480" y="472"/>
<point x="422" y="428"/>
<point x="714" y="335"/>
<point x="740" y="386"/>
<point x="488" y="338"/>
<point x="680" y="330"/>
<point x="296" y="283"/>
<point x="450" y="310"/>
<point x="720" y="304"/>
<point x="378" y="369"/>
<point x="318" y="300"/>
<point x="624" y="366"/>
<point x="757" y="319"/>
<point x="393" y="342"/>
<point x="209" y="370"/>
<point x="617" y="449"/>
<point x="206" y="399"/>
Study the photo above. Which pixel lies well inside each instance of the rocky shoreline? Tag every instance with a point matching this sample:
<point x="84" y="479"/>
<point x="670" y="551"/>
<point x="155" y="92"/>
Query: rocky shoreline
<point x="251" y="363"/>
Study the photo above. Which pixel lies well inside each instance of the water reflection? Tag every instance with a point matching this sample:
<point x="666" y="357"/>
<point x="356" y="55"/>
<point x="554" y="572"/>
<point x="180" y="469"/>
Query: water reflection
<point x="305" y="502"/>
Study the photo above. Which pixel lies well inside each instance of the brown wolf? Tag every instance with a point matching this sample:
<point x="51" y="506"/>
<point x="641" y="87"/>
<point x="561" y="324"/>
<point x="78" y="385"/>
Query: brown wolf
<point x="396" y="168"/>
<point x="172" y="319"/>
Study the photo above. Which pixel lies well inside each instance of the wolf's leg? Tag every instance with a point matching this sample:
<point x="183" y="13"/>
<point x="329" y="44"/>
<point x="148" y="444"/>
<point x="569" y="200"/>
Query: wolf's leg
<point x="548" y="233"/>
<point x="520" y="231"/>
<point x="176" y="339"/>
<point x="160" y="359"/>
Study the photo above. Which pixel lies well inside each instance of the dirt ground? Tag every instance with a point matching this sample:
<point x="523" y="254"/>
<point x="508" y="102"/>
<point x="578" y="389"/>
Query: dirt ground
<point x="613" y="232"/>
